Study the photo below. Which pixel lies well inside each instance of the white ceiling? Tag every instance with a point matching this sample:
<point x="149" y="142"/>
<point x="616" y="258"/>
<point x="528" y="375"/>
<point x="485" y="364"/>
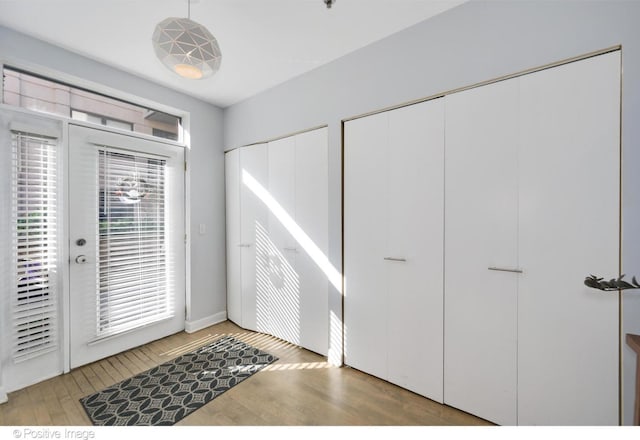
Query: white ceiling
<point x="263" y="42"/>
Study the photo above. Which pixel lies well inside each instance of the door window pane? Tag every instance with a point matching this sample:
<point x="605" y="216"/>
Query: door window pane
<point x="133" y="270"/>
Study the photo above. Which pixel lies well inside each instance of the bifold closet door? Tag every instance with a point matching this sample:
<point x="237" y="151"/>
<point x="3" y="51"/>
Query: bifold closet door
<point x="415" y="211"/>
<point x="393" y="242"/>
<point x="277" y="238"/>
<point x="365" y="243"/>
<point x="234" y="274"/>
<point x="532" y="208"/>
<point x="254" y="235"/>
<point x="282" y="277"/>
<point x="312" y="231"/>
<point x="481" y="259"/>
<point x="569" y="229"/>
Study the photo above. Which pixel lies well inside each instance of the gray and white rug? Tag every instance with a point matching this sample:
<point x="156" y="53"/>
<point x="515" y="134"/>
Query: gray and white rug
<point x="167" y="393"/>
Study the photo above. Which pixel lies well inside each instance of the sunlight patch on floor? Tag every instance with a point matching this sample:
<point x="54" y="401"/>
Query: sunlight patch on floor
<point x="264" y="342"/>
<point x="298" y="366"/>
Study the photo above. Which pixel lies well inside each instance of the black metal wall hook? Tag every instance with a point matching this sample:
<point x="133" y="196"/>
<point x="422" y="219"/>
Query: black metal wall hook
<point x="612" y="284"/>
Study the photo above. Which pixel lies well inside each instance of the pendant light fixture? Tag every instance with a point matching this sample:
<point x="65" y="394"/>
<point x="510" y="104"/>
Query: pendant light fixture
<point x="186" y="47"/>
<point x="329" y="3"/>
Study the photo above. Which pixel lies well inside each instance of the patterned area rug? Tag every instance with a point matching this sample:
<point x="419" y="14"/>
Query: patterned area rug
<point x="167" y="393"/>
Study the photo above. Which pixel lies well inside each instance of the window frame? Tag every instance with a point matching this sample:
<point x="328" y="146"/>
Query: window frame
<point x="184" y="139"/>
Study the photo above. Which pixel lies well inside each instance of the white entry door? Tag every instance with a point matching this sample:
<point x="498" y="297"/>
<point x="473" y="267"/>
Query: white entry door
<point x="126" y="242"/>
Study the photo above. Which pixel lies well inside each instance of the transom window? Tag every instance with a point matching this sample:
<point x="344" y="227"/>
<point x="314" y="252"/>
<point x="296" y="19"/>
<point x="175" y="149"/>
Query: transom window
<point x="33" y="92"/>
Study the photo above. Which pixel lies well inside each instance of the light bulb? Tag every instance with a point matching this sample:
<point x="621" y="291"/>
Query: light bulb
<point x="188" y="71"/>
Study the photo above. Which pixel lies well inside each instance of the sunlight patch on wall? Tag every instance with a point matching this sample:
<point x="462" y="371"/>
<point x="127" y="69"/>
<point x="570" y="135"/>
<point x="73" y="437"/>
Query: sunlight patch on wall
<point x="316" y="254"/>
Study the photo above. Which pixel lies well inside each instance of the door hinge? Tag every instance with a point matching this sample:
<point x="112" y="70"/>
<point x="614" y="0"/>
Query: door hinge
<point x="185" y="165"/>
<point x="185" y="238"/>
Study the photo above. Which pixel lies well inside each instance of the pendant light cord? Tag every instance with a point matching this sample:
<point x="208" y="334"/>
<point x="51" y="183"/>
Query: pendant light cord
<point x="189" y="9"/>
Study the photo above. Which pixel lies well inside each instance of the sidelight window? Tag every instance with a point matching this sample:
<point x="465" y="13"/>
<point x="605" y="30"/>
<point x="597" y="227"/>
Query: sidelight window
<point x="34" y="244"/>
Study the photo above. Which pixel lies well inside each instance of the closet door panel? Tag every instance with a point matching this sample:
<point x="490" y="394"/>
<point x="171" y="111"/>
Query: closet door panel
<point x="311" y="201"/>
<point x="254" y="236"/>
<point x="416" y="209"/>
<point x="481" y="168"/>
<point x="569" y="214"/>
<point x="365" y="244"/>
<point x="283" y="279"/>
<point x="234" y="274"/>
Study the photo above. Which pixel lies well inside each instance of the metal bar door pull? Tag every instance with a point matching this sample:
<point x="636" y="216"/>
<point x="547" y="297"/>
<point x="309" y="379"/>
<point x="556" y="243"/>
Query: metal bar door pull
<point x="505" y="269"/>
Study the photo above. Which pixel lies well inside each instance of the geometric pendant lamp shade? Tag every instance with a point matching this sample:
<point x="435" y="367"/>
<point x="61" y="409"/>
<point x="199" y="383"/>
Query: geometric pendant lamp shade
<point x="186" y="48"/>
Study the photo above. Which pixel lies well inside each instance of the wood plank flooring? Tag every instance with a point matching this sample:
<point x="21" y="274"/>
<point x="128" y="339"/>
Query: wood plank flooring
<point x="300" y="389"/>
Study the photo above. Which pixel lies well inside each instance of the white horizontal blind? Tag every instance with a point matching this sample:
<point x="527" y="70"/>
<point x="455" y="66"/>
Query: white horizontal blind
<point x="34" y="245"/>
<point x="133" y="267"/>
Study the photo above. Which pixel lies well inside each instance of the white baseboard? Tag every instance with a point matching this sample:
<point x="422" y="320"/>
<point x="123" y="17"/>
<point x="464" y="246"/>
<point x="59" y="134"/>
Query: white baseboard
<point x="194" y="326"/>
<point x="3" y="396"/>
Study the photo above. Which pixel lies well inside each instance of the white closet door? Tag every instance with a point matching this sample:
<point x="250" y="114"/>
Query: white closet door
<point x="481" y="167"/>
<point x="415" y="210"/>
<point x="312" y="198"/>
<point x="254" y="237"/>
<point x="365" y="226"/>
<point x="282" y="276"/>
<point x="569" y="214"/>
<point x="234" y="274"/>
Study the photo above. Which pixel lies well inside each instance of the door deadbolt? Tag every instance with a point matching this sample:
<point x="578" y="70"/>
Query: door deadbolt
<point x="81" y="259"/>
<point x="81" y="241"/>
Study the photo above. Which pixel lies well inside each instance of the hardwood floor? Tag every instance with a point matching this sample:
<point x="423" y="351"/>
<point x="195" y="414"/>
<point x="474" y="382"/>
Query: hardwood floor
<point x="299" y="389"/>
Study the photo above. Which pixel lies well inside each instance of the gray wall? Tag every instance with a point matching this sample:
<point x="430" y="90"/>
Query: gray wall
<point x="208" y="273"/>
<point x="474" y="42"/>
